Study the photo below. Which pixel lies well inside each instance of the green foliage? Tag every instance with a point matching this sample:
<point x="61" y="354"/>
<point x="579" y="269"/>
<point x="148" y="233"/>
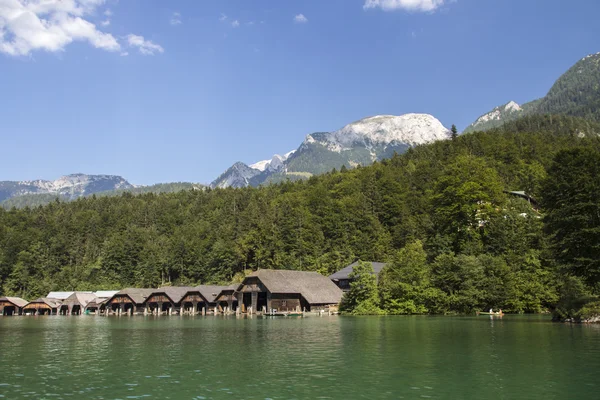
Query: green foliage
<point x="363" y="296"/>
<point x="576" y="93"/>
<point x="576" y="302"/>
<point x="572" y="202"/>
<point x="454" y="132"/>
<point x="404" y="284"/>
<point x="455" y="241"/>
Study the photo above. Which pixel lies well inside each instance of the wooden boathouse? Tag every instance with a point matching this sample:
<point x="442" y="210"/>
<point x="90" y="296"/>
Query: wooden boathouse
<point x="166" y="299"/>
<point x="227" y="300"/>
<point x="42" y="306"/>
<point x="287" y="291"/>
<point x="76" y="303"/>
<point x="12" y="305"/>
<point x="128" y="301"/>
<point x="342" y="277"/>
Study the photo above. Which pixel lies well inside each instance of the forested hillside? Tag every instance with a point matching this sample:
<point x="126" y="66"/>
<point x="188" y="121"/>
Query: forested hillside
<point x="576" y="93"/>
<point x="440" y="209"/>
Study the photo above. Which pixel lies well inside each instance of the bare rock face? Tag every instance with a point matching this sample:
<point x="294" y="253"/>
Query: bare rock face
<point x="69" y="186"/>
<point x="359" y="143"/>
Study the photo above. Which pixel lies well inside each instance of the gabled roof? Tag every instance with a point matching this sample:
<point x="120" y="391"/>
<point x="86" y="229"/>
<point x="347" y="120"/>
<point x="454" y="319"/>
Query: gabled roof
<point x="211" y="292"/>
<point x="137" y="295"/>
<point x="52" y="303"/>
<point x="17" y="301"/>
<point x="97" y="302"/>
<point x="175" y="293"/>
<point x="79" y="298"/>
<point x="344" y="273"/>
<point x="314" y="287"/>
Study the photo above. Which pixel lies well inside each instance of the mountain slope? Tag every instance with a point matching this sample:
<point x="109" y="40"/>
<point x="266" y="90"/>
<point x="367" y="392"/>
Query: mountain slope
<point x="575" y="93"/>
<point x="69" y="186"/>
<point x="36" y="198"/>
<point x="359" y="143"/>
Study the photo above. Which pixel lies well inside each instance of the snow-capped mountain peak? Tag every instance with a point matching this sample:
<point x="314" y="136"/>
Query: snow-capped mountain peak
<point x="70" y="186"/>
<point x="274" y="163"/>
<point x="383" y="130"/>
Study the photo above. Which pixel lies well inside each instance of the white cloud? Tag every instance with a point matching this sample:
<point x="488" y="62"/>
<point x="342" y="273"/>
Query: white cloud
<point x="223" y="17"/>
<point x="176" y="19"/>
<point x="235" y="23"/>
<point x="146" y="47"/>
<point x="300" y="19"/>
<point x="50" y="25"/>
<point x="124" y="54"/>
<point x="409" y="5"/>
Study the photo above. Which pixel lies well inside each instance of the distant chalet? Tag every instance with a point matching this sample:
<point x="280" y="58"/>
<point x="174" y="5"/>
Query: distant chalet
<point x="342" y="277"/>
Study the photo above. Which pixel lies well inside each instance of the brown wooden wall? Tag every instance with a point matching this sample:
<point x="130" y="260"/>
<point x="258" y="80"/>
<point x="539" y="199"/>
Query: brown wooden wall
<point x="37" y="306"/>
<point x="192" y="297"/>
<point x="253" y="284"/>
<point x="158" y="298"/>
<point x="120" y="299"/>
<point x="285" y="301"/>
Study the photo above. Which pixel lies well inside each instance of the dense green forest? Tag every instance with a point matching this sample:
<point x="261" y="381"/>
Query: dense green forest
<point x="440" y="214"/>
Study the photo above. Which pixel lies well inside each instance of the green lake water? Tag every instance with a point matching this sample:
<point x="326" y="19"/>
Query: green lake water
<point x="88" y="357"/>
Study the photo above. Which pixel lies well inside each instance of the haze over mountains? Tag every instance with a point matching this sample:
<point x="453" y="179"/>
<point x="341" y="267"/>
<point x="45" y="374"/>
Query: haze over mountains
<point x="575" y="93"/>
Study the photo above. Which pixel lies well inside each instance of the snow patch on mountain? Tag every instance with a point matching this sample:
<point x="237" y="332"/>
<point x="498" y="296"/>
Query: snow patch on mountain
<point x="273" y="164"/>
<point x="498" y="113"/>
<point x="384" y="130"/>
<point x="71" y="186"/>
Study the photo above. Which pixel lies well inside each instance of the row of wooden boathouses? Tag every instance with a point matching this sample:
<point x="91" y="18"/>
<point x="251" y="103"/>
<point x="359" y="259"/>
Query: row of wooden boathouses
<point x="263" y="291"/>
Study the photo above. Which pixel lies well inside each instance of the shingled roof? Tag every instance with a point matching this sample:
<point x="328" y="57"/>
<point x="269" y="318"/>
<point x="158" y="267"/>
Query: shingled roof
<point x="136" y="294"/>
<point x="314" y="287"/>
<point x="52" y="303"/>
<point x="175" y="293"/>
<point x="17" y="301"/>
<point x="211" y="292"/>
<point x="345" y="273"/>
<point x="79" y="298"/>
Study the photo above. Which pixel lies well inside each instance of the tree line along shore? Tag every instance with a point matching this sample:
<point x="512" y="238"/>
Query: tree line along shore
<point x="444" y="216"/>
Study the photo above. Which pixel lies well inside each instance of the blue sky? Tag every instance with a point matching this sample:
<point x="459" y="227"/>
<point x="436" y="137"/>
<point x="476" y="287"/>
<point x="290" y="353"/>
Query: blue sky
<point x="163" y="91"/>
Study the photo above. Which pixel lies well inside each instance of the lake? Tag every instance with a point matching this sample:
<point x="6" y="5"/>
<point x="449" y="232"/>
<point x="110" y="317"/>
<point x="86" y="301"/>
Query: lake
<point x="330" y="357"/>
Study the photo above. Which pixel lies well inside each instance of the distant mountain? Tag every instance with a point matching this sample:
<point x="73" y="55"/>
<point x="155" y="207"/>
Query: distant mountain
<point x="359" y="143"/>
<point x="576" y="93"/>
<point x="68" y="187"/>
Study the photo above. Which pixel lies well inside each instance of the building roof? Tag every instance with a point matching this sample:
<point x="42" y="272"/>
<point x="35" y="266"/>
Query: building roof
<point x="136" y="294"/>
<point x="105" y="294"/>
<point x="314" y="287"/>
<point x="52" y="303"/>
<point x="97" y="302"/>
<point x="59" y="295"/>
<point x="17" y="301"/>
<point x="211" y="292"/>
<point x="344" y="273"/>
<point x="175" y="293"/>
<point x="79" y="298"/>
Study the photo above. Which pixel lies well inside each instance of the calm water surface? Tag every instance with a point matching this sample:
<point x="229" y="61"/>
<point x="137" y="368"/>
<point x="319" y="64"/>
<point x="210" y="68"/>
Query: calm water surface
<point x="91" y="357"/>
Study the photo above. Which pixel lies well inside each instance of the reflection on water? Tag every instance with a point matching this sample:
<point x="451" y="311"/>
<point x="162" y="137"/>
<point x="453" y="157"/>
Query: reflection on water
<point x="89" y="357"/>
